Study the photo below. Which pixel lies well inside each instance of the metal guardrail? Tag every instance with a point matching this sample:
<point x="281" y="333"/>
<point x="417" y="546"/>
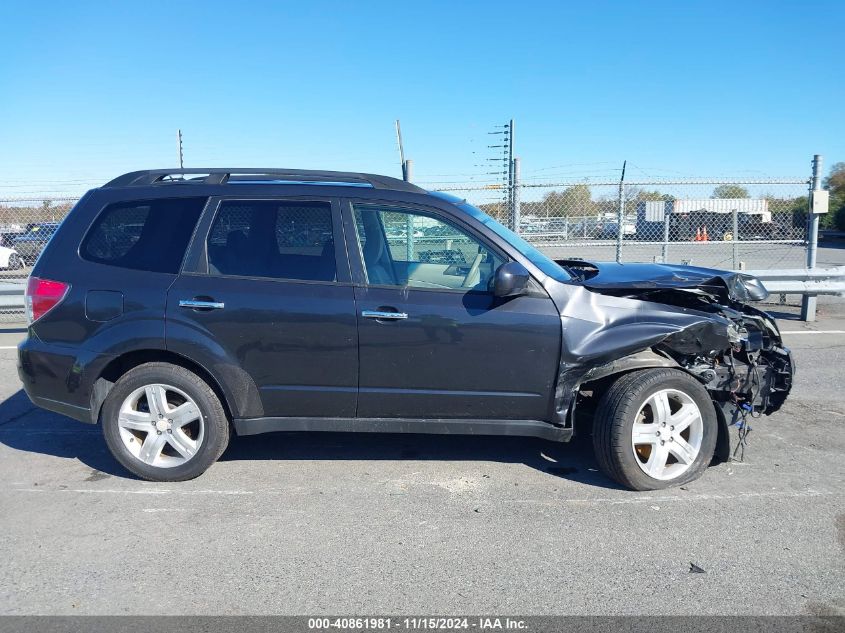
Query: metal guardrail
<point x="809" y="282"/>
<point x="11" y="297"/>
<point x="818" y="281"/>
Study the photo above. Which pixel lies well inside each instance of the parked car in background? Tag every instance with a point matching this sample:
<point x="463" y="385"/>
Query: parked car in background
<point x="532" y="227"/>
<point x="174" y="312"/>
<point x="401" y="232"/>
<point x="610" y="229"/>
<point x="441" y="230"/>
<point x="32" y="242"/>
<point x="9" y="259"/>
<point x="8" y="236"/>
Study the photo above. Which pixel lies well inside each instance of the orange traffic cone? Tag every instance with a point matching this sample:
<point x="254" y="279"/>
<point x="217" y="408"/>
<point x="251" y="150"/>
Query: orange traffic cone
<point x="697" y="235"/>
<point x="704" y="237"/>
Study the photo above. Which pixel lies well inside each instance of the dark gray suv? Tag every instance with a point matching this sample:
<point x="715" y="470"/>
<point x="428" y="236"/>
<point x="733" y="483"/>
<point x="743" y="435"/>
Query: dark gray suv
<point x="175" y="307"/>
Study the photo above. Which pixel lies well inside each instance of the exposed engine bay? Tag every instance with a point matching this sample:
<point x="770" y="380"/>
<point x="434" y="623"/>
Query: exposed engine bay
<point x="746" y="366"/>
<point x="695" y="319"/>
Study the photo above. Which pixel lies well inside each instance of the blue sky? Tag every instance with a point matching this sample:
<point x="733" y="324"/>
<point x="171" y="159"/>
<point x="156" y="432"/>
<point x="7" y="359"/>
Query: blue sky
<point x="89" y="90"/>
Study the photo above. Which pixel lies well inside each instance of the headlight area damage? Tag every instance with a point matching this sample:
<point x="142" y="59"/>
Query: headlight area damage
<point x="619" y="318"/>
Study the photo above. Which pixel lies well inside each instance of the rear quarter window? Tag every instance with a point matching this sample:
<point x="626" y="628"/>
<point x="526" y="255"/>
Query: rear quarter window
<point x="149" y="235"/>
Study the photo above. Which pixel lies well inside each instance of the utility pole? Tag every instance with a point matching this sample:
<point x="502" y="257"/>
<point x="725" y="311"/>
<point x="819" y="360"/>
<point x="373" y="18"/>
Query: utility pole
<point x="515" y="196"/>
<point x="511" y="208"/>
<point x="401" y="151"/>
<point x="808" y="302"/>
<point x="620" y="217"/>
<point x="503" y="166"/>
<point x="407" y="174"/>
<point x="179" y="148"/>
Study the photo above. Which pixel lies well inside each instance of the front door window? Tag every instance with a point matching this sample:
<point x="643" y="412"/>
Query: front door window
<point x="416" y="250"/>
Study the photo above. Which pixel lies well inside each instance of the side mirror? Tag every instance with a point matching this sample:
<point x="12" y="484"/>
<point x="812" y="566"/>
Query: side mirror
<point x="511" y="280"/>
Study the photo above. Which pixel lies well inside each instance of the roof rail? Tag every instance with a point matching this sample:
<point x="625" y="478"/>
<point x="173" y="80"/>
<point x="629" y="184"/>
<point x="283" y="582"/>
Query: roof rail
<point x="219" y="176"/>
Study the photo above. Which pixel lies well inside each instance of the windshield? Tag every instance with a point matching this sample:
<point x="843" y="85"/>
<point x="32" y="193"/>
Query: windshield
<point x="535" y="257"/>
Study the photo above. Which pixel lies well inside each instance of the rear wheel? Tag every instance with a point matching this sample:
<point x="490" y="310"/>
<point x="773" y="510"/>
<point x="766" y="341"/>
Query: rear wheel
<point x="654" y="429"/>
<point x="15" y="262"/>
<point x="164" y="423"/>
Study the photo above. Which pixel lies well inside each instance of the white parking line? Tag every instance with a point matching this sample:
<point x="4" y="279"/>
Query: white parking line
<point x="628" y="499"/>
<point x="8" y="347"/>
<point x="662" y="498"/>
<point x="812" y="331"/>
<point x="165" y="491"/>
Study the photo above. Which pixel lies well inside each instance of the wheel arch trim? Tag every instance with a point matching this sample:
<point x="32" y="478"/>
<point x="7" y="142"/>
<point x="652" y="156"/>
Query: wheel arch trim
<point x="121" y="364"/>
<point x="644" y="359"/>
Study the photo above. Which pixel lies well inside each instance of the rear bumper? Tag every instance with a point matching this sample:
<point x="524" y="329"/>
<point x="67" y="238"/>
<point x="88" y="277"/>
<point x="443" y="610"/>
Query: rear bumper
<point x="59" y="378"/>
<point x="81" y="414"/>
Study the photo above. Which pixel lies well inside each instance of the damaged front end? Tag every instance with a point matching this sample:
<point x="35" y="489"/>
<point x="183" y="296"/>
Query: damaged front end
<point x="617" y="318"/>
<point x="744" y="366"/>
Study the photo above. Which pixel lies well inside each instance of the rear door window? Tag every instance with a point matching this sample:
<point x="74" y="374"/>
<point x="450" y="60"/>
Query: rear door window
<point x="149" y="235"/>
<point x="273" y="239"/>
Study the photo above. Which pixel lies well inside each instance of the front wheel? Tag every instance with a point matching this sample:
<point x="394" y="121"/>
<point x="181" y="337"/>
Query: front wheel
<point x="655" y="428"/>
<point x="164" y="423"/>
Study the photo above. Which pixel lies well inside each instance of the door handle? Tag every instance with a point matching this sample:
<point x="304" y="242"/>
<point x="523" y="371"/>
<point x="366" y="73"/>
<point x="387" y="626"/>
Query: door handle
<point x="198" y="304"/>
<point x="384" y="316"/>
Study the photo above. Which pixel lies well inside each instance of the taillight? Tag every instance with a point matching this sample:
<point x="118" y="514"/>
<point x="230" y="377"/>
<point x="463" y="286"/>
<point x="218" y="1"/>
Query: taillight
<point x="42" y="295"/>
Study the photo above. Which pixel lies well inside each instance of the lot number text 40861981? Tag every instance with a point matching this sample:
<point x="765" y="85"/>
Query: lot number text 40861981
<point x="417" y="623"/>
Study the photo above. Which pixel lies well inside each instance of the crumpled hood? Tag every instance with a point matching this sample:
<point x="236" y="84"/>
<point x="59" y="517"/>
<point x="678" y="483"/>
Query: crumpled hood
<point x="612" y="276"/>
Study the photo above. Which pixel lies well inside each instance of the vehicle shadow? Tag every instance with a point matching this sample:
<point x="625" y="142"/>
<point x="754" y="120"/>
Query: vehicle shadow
<point x="572" y="461"/>
<point x="26" y="428"/>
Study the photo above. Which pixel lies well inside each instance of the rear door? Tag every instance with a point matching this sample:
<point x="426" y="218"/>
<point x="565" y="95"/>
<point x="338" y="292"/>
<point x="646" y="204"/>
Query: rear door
<point x="434" y="341"/>
<point x="267" y="292"/>
<point x="119" y="256"/>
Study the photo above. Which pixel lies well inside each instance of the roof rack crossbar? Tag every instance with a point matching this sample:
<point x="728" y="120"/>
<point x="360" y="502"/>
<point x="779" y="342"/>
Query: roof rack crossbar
<point x="221" y="175"/>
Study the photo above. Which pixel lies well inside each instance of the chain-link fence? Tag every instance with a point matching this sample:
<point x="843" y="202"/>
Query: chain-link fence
<point x="727" y="224"/>
<point x="719" y="224"/>
<point x="26" y="226"/>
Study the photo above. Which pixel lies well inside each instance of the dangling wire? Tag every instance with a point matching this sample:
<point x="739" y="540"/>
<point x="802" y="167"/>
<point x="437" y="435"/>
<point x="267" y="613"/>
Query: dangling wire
<point x="743" y="408"/>
<point x="743" y="429"/>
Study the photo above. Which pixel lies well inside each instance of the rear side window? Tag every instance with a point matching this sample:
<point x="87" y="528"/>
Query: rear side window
<point x="147" y="235"/>
<point x="273" y="239"/>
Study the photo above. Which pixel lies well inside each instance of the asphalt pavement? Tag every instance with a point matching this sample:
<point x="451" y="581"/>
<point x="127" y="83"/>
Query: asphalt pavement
<point x="368" y="524"/>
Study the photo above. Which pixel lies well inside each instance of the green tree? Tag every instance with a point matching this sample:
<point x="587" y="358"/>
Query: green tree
<point x="835" y="180"/>
<point x="573" y="201"/>
<point x="496" y="210"/>
<point x="636" y="194"/>
<point x="835" y="183"/>
<point x="730" y="191"/>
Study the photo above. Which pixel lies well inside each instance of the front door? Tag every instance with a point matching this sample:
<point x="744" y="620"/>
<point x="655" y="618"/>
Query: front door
<point x="272" y="295"/>
<point x="433" y="340"/>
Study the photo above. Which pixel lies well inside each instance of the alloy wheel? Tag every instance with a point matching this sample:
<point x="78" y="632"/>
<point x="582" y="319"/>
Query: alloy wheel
<point x="161" y="425"/>
<point x="667" y="433"/>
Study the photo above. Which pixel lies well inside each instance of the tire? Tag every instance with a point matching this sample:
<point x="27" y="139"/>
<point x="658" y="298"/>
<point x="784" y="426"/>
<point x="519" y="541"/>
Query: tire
<point x="156" y="446"/>
<point x="654" y="399"/>
<point x="15" y="262"/>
